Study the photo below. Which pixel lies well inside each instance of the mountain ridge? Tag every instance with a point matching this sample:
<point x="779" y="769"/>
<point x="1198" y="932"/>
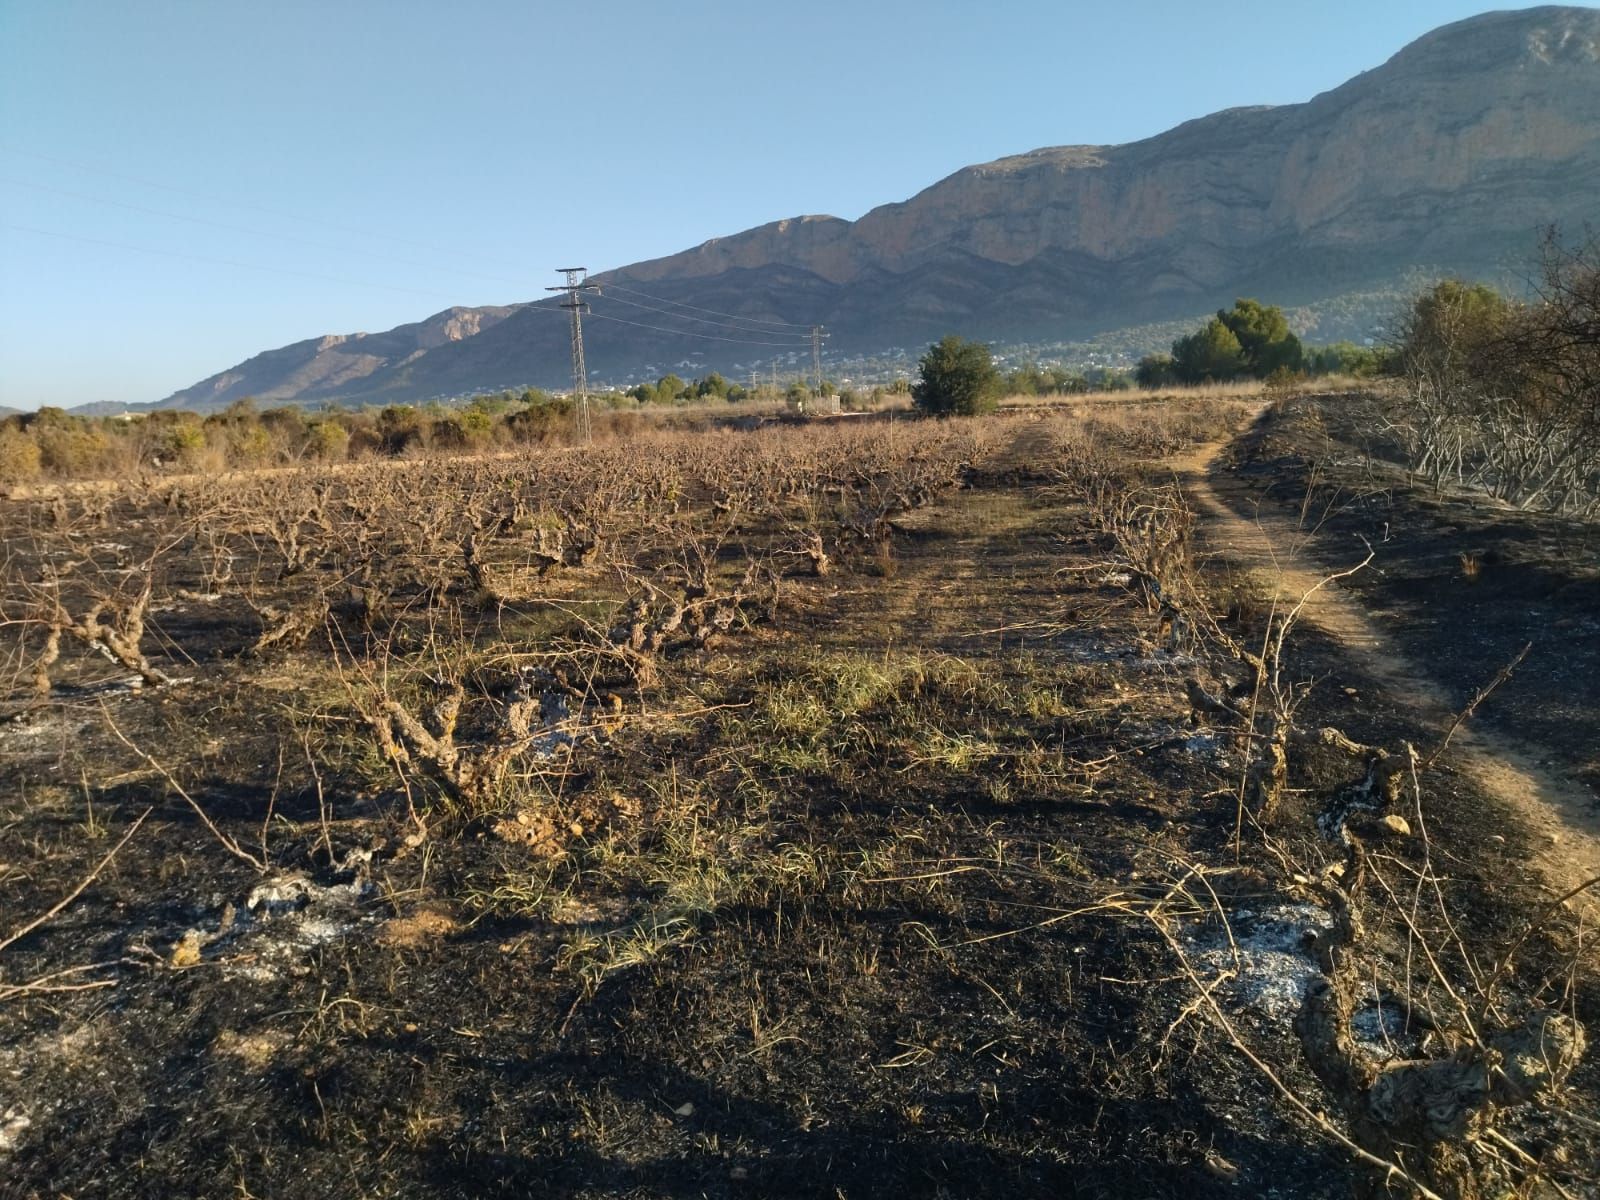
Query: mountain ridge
<point x="1452" y="154"/>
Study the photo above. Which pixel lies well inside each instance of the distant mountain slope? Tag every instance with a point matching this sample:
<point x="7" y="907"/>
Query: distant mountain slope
<point x="330" y="367"/>
<point x="1450" y="156"/>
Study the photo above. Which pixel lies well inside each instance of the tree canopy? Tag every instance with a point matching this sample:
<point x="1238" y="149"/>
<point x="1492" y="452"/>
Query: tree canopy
<point x="1264" y="337"/>
<point x="1249" y="339"/>
<point x="956" y="378"/>
<point x="670" y="389"/>
<point x="1155" y="370"/>
<point x="1506" y="394"/>
<point x="1212" y="354"/>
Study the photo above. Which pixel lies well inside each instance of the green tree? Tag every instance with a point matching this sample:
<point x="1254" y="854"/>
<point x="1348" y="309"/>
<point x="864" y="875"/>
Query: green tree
<point x="1444" y="349"/>
<point x="401" y="428"/>
<point x="1156" y="370"/>
<point x="1454" y="313"/>
<point x="183" y="443"/>
<point x="1344" y="358"/>
<point x="1264" y="337"/>
<point x="1441" y="342"/>
<point x="328" y="442"/>
<point x="956" y="377"/>
<point x="477" y="425"/>
<point x="1212" y="354"/>
<point x="493" y="403"/>
<point x="1065" y="381"/>
<point x="712" y="385"/>
<point x="1025" y="381"/>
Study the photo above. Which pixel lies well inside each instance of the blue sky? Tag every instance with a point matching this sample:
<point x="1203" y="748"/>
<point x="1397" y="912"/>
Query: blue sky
<point x="183" y="185"/>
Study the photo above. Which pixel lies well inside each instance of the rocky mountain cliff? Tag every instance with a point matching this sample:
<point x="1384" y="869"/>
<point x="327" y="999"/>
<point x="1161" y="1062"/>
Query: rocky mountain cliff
<point x="1449" y="157"/>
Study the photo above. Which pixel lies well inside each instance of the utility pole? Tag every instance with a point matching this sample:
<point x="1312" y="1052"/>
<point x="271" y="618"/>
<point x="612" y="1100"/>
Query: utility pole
<point x="575" y="287"/>
<point x="816" y="359"/>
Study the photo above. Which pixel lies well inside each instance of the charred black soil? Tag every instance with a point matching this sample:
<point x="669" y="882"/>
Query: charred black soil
<point x="1463" y="580"/>
<point x="913" y="877"/>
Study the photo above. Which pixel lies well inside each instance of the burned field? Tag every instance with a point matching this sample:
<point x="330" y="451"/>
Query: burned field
<point x="1466" y="580"/>
<point x="895" y="809"/>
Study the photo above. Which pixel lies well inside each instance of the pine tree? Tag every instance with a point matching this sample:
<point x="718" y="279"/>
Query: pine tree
<point x="1211" y="355"/>
<point x="956" y="378"/>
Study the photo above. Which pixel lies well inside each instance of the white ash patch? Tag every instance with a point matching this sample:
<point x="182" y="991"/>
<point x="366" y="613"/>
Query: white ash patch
<point x="280" y="920"/>
<point x="1382" y="1031"/>
<point x="122" y="685"/>
<point x="279" y="944"/>
<point x="53" y="721"/>
<point x="1079" y="649"/>
<point x="315" y="930"/>
<point x="556" y="729"/>
<point x="13" y="1124"/>
<point x="21" y="1064"/>
<point x="1207" y="745"/>
<point x="292" y="893"/>
<point x="1269" y="958"/>
<point x="1357" y="797"/>
<point x="1148" y="659"/>
<point x="555" y="732"/>
<point x="67" y="1047"/>
<point x="601" y="913"/>
<point x="1096" y="651"/>
<point x="185" y="597"/>
<point x="1203" y="743"/>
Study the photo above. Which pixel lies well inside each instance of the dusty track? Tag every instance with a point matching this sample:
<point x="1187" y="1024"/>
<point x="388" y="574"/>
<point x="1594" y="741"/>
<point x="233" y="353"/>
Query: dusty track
<point x="968" y="562"/>
<point x="1271" y="544"/>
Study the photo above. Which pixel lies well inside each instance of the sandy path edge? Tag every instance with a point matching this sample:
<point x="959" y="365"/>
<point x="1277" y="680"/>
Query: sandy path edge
<point x="1559" y="811"/>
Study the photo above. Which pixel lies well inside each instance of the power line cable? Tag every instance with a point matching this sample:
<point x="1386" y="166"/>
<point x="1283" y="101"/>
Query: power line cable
<point x="617" y="287"/>
<point x="685" y="317"/>
<point x="600" y="316"/>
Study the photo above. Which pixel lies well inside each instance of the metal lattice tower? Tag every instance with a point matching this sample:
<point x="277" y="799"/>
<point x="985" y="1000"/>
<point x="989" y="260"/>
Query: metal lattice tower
<point x="817" y="335"/>
<point x="575" y="287"/>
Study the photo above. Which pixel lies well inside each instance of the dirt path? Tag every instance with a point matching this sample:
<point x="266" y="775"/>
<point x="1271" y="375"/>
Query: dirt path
<point x="969" y="562"/>
<point x="1272" y="546"/>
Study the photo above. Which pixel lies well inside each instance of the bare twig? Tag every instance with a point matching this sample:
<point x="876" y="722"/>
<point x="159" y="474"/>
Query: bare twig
<point x="1483" y="694"/>
<point x="228" y="843"/>
<point x="1390" y="1169"/>
<point x="66" y="900"/>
